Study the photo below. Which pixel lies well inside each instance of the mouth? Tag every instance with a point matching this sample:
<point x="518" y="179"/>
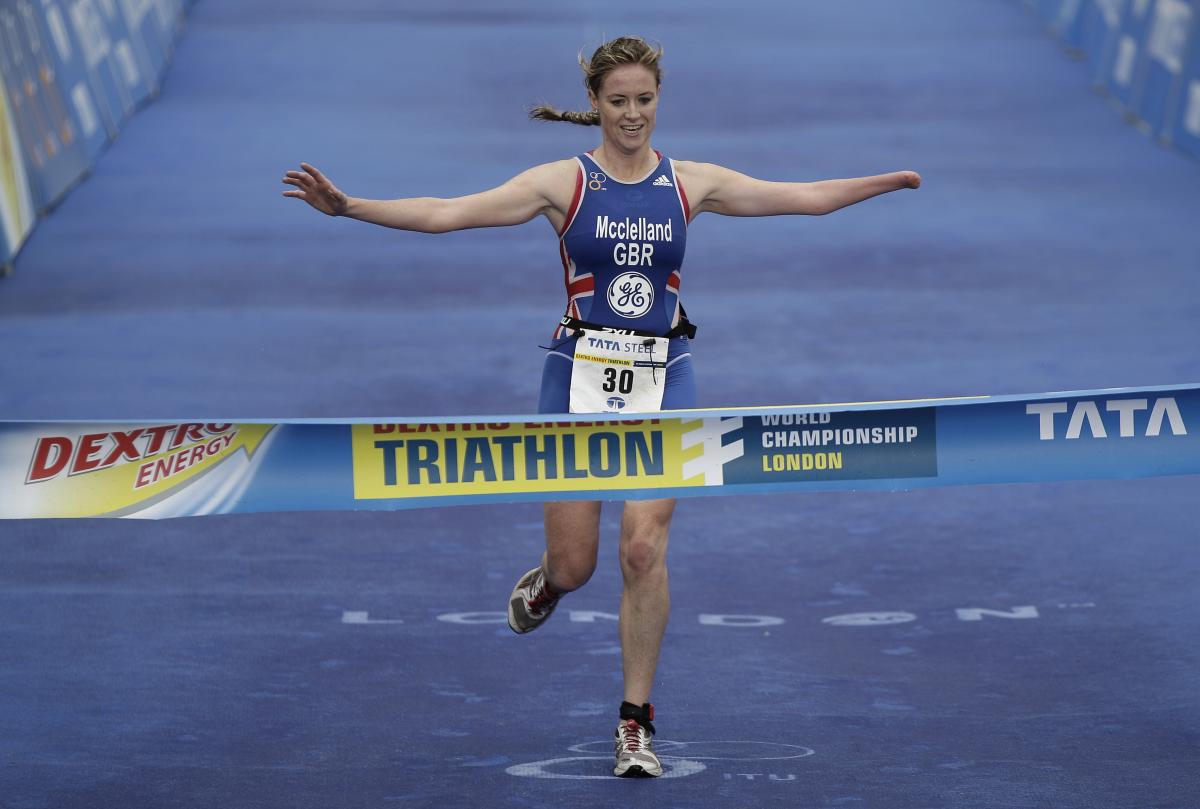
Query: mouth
<point x="632" y="129"/>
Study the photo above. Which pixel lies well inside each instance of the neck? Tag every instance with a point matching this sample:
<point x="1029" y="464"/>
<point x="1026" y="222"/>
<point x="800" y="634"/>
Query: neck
<point x="626" y="166"/>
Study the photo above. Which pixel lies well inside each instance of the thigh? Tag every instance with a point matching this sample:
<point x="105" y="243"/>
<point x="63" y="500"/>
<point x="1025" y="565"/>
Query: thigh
<point x="555" y="396"/>
<point x="679" y="392"/>
<point x="572" y="531"/>
<point x="647" y="521"/>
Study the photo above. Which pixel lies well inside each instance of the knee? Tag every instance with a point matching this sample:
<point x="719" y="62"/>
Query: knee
<point x="643" y="555"/>
<point x="570" y="574"/>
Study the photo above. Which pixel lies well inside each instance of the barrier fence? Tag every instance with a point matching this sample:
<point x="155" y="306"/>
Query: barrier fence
<point x="203" y="466"/>
<point x="73" y="71"/>
<point x="1145" y="54"/>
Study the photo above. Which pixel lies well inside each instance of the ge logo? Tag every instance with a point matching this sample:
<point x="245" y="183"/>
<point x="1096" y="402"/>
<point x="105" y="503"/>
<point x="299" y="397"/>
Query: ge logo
<point x="596" y="181"/>
<point x="630" y="294"/>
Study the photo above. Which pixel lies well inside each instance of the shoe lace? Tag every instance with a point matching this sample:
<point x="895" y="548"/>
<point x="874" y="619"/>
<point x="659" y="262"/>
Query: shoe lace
<point x="631" y="736"/>
<point x="540" y="596"/>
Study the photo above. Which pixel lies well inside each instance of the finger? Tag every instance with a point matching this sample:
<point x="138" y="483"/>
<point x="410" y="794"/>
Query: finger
<point x="296" y="194"/>
<point x="314" y="171"/>
<point x="297" y="181"/>
<point x="304" y="179"/>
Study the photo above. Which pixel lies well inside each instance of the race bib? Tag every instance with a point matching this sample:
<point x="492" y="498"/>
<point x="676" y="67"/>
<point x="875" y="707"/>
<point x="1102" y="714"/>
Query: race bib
<point x="618" y="373"/>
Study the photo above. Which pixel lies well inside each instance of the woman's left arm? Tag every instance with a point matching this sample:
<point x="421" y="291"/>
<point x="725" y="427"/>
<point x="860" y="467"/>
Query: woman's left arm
<point x="724" y="191"/>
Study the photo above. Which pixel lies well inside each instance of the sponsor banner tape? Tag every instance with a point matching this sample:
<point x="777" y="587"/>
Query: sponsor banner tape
<point x="178" y="468"/>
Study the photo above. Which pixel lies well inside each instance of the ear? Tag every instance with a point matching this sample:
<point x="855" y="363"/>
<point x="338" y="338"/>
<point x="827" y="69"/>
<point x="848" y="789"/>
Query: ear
<point x="592" y="98"/>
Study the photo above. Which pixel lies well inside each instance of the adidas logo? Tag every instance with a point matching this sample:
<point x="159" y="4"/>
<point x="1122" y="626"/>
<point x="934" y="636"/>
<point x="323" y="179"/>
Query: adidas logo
<point x="663" y="181"/>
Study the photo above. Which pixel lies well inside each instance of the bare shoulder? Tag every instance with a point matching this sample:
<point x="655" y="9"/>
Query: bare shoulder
<point x="700" y="180"/>
<point x="554" y="181"/>
<point x="690" y="170"/>
<point x="556" y="172"/>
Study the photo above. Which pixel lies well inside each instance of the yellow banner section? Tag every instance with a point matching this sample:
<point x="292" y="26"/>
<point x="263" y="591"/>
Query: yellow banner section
<point x="432" y="460"/>
<point x="85" y="474"/>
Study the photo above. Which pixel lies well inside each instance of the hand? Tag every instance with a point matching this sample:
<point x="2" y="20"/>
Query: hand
<point x="315" y="189"/>
<point x="911" y="179"/>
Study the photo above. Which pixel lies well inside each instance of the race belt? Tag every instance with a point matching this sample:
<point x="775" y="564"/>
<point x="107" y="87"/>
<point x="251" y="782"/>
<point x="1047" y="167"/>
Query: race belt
<point x="685" y="328"/>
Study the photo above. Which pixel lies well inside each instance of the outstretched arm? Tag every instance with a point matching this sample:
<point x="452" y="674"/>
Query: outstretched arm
<point x="538" y="190"/>
<point x="728" y="192"/>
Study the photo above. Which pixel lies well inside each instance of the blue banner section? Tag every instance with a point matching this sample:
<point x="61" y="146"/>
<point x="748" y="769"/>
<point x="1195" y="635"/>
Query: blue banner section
<point x="887" y="445"/>
<point x="73" y="71"/>
<point x="197" y="467"/>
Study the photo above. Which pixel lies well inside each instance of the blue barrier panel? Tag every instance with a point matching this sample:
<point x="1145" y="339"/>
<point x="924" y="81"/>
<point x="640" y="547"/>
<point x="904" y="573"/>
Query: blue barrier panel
<point x="1067" y="23"/>
<point x="159" y="29"/>
<point x="1183" y="114"/>
<point x="1161" y="66"/>
<point x="1098" y="28"/>
<point x="1121" y="66"/>
<point x="1049" y="10"/>
<point x="139" y="64"/>
<point x="137" y="69"/>
<point x="73" y="79"/>
<point x="153" y="42"/>
<point x="94" y="47"/>
<point x="118" y="78"/>
<point x="55" y="156"/>
<point x="16" y="203"/>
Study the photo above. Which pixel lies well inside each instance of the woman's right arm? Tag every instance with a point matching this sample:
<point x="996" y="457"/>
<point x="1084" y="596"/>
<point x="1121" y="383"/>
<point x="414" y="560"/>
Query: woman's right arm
<point x="543" y="189"/>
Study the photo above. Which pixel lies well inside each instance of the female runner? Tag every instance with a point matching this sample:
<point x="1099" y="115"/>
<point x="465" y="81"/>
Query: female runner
<point x="621" y="212"/>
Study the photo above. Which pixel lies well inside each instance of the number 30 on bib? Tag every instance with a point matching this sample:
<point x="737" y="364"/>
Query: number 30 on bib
<point x="618" y="373"/>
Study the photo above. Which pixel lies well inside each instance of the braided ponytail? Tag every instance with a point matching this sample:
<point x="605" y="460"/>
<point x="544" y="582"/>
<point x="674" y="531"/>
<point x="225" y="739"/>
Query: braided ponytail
<point x="545" y="112"/>
<point x="609" y="56"/>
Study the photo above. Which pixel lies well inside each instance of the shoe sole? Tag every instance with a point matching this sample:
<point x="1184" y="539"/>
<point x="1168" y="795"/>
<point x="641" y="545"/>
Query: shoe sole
<point x="636" y="771"/>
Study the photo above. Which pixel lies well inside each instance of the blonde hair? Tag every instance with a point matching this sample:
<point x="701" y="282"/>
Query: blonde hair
<point x="608" y="57"/>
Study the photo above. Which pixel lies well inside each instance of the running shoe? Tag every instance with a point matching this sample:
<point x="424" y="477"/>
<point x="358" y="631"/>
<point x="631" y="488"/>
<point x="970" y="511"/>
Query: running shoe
<point x="635" y="755"/>
<point x="531" y="602"/>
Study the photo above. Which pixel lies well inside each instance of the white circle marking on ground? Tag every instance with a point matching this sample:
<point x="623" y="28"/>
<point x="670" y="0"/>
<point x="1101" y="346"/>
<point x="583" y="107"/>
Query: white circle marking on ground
<point x="674" y="768"/>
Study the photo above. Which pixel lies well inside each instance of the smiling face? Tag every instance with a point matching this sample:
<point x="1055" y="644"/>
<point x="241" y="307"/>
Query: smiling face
<point x="628" y="102"/>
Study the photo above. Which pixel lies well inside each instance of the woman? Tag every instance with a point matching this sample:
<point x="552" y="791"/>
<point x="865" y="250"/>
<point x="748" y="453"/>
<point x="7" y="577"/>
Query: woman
<point x="621" y="212"/>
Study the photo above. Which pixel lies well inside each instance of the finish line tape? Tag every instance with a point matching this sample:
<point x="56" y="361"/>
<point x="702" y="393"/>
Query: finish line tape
<point x="175" y="468"/>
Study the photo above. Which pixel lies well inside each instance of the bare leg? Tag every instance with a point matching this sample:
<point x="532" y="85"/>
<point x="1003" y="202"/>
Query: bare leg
<point x="646" y="601"/>
<point x="572" y="539"/>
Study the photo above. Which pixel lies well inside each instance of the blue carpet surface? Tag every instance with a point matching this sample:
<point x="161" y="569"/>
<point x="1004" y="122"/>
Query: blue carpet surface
<point x="359" y="660"/>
